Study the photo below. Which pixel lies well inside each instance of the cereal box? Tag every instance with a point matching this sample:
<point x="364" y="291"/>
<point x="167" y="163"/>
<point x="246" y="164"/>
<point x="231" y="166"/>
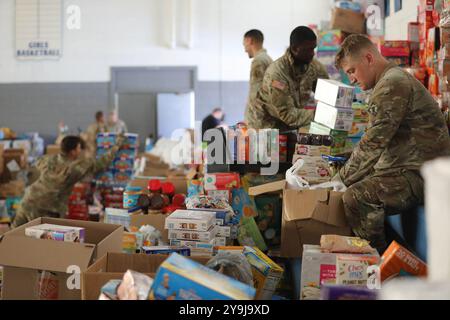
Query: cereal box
<point x="191" y="220"/>
<point x="180" y="278"/>
<point x="266" y="273"/>
<point x="56" y="232"/>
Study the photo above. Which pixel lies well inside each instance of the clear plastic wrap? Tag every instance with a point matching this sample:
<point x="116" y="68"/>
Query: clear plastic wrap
<point x="134" y="286"/>
<point x="234" y="265"/>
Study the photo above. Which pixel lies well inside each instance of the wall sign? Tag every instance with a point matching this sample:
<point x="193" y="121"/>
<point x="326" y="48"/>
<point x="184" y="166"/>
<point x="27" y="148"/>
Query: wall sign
<point x="38" y="29"/>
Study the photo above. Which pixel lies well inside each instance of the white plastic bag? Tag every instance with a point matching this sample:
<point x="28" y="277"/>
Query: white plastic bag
<point x="293" y="180"/>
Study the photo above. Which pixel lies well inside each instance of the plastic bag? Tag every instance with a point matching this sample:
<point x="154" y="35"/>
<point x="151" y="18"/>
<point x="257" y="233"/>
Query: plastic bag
<point x="294" y="181"/>
<point x="151" y="236"/>
<point x="47" y="286"/>
<point x="233" y="265"/>
<point x="134" y="286"/>
<point x="341" y="244"/>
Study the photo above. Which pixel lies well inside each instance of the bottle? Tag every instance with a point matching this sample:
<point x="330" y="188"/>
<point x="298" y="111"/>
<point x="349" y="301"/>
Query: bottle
<point x="154" y="186"/>
<point x="168" y="189"/>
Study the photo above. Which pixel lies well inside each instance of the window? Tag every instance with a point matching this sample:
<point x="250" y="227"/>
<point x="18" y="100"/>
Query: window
<point x="398" y="5"/>
<point x="387" y="6"/>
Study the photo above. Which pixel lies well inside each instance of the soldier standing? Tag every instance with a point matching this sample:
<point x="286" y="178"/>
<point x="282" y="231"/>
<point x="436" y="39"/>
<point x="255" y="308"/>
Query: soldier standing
<point x="56" y="176"/>
<point x="406" y="129"/>
<point x="253" y="45"/>
<point x="288" y="85"/>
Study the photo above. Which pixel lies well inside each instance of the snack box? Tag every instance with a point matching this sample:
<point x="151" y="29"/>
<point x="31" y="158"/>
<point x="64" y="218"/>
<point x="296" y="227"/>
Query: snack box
<point x="312" y="151"/>
<point x="358" y="129"/>
<point x="123" y="164"/>
<point x="337" y="292"/>
<point x="266" y="273"/>
<point x="315" y="169"/>
<point x="230" y="249"/>
<point x="221" y="241"/>
<point x="190" y="220"/>
<point x="221" y="181"/>
<point x="334" y="118"/>
<point x="126" y="154"/>
<point x="202" y="236"/>
<point x="106" y="140"/>
<point x="329" y="40"/>
<point x="131" y="142"/>
<point x="334" y="93"/>
<point x="220" y="194"/>
<point x="319" y="268"/>
<point x="122" y="177"/>
<point x="180" y="278"/>
<point x="195" y="245"/>
<point x="224" y="231"/>
<point x="167" y="250"/>
<point x="56" y="232"/>
<point x="336" y="135"/>
<point x="351" y="270"/>
<point x="395" y="48"/>
<point x="398" y="260"/>
<point x="223" y="216"/>
<point x="132" y="242"/>
<point x="117" y="216"/>
<point x="105" y="177"/>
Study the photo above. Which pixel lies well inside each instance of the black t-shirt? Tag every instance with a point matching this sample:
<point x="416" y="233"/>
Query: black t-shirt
<point x="209" y="123"/>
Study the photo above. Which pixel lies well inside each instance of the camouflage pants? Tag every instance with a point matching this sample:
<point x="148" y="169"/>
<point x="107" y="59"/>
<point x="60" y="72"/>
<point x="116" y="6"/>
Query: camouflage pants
<point x="367" y="203"/>
<point x="26" y="214"/>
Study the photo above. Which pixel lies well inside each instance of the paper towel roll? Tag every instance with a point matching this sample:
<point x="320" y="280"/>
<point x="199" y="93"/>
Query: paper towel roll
<point x="437" y="207"/>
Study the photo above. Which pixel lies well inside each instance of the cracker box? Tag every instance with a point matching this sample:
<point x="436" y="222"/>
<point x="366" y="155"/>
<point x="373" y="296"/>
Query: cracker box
<point x="398" y="260"/>
<point x="202" y="236"/>
<point x="221" y="181"/>
<point x="207" y="247"/>
<point x="312" y="151"/>
<point x="351" y="270"/>
<point x="334" y="93"/>
<point x="56" y="232"/>
<point x="266" y="273"/>
<point x="334" y="118"/>
<point x="224" y="231"/>
<point x="191" y="220"/>
<point x="167" y="250"/>
<point x="223" y="216"/>
<point x="319" y="268"/>
<point x="180" y="278"/>
<point x="106" y="140"/>
<point x="314" y="170"/>
<point x="220" y="241"/>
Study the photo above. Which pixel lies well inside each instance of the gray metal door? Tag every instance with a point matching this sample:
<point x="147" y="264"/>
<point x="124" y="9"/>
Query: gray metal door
<point x="138" y="110"/>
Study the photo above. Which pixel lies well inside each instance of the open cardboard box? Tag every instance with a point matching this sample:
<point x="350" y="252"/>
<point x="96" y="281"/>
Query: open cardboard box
<point x="307" y="215"/>
<point x="22" y="257"/>
<point x="53" y="149"/>
<point x="158" y="221"/>
<point x="114" y="265"/>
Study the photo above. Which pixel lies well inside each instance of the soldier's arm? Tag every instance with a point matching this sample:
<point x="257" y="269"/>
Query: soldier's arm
<point x="35" y="171"/>
<point x="390" y="103"/>
<point x="283" y="106"/>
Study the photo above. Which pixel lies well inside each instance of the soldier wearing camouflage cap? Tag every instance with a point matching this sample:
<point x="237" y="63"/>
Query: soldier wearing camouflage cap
<point x="406" y="129"/>
<point x="55" y="177"/>
<point x="288" y="85"/>
<point x="253" y="45"/>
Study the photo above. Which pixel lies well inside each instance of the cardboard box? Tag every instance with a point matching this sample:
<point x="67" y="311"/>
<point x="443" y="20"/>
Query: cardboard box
<point x="191" y="220"/>
<point x="53" y="149"/>
<point x="189" y="280"/>
<point x="334" y="118"/>
<point x="13" y="158"/>
<point x="319" y="268"/>
<point x="203" y="236"/>
<point x="348" y="21"/>
<point x="307" y="215"/>
<point x="266" y="273"/>
<point x="157" y="221"/>
<point x="334" y="93"/>
<point x="22" y="257"/>
<point x="114" y="265"/>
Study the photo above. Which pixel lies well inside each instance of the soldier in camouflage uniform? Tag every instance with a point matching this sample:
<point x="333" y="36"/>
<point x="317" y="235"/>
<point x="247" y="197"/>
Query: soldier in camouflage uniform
<point x="253" y="44"/>
<point x="406" y="129"/>
<point x="56" y="176"/>
<point x="288" y="85"/>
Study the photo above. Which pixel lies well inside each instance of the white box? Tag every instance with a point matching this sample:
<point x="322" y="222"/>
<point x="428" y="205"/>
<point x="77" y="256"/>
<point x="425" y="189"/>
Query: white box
<point x="199" y="246"/>
<point x="201" y="236"/>
<point x="334" y="93"/>
<point x="319" y="268"/>
<point x="56" y="232"/>
<point x="334" y="118"/>
<point x="190" y="220"/>
<point x="314" y="170"/>
<point x="221" y="241"/>
<point x="224" y="231"/>
<point x="22" y="144"/>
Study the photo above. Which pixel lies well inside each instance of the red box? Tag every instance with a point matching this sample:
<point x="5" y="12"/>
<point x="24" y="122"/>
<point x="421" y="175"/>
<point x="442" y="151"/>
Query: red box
<point x="221" y="181"/>
<point x="395" y="48"/>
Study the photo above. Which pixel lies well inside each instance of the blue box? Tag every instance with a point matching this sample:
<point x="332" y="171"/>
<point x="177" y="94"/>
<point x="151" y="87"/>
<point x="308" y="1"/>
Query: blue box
<point x="105" y="177"/>
<point x="167" y="250"/>
<point x="123" y="164"/>
<point x="180" y="278"/>
<point x="126" y="154"/>
<point x="123" y="177"/>
<point x="132" y="141"/>
<point x="106" y="140"/>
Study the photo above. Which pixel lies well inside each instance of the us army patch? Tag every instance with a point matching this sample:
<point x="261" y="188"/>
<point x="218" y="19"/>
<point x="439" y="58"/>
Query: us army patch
<point x="279" y="85"/>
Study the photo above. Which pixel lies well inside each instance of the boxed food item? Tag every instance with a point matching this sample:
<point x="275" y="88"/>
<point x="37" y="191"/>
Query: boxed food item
<point x="312" y="151"/>
<point x="117" y="216"/>
<point x="337" y="136"/>
<point x="122" y="177"/>
<point x="167" y="250"/>
<point x="320" y="268"/>
<point x="397" y="260"/>
<point x="223" y="216"/>
<point x="334" y="93"/>
<point x="339" y="292"/>
<point x="395" y="48"/>
<point x="266" y="273"/>
<point x="191" y="220"/>
<point x="24" y="258"/>
<point x="334" y="118"/>
<point x="329" y="40"/>
<point x="348" y="21"/>
<point x="243" y="204"/>
<point x="250" y="235"/>
<point x="106" y="140"/>
<point x="132" y="242"/>
<point x="307" y="215"/>
<point x="180" y="278"/>
<point x="315" y="170"/>
<point x="221" y="181"/>
<point x="203" y="236"/>
<point x="113" y="266"/>
<point x="224" y="231"/>
<point x="56" y="232"/>
<point x="220" y="241"/>
<point x="123" y="164"/>
<point x="220" y="194"/>
<point x="352" y="270"/>
<point x="207" y="247"/>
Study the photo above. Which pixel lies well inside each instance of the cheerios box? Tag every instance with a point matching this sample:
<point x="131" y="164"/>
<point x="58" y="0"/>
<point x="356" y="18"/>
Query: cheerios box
<point x="180" y="278"/>
<point x="320" y="268"/>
